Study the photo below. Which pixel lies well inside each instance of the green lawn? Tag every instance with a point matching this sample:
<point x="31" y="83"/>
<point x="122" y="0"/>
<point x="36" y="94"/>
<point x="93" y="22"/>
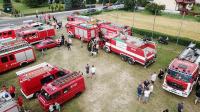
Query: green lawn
<point x="27" y="10"/>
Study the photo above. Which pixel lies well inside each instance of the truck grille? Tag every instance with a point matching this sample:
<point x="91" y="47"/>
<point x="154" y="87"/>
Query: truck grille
<point x="175" y="86"/>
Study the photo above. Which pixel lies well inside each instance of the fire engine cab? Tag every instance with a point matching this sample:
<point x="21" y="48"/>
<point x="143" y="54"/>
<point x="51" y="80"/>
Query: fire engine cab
<point x="131" y="49"/>
<point x="14" y="53"/>
<point x="7" y="33"/>
<point x="183" y="72"/>
<point x="33" y="78"/>
<point x="37" y="34"/>
<point x="7" y="103"/>
<point x="108" y="28"/>
<point x="61" y="90"/>
<point x="82" y="30"/>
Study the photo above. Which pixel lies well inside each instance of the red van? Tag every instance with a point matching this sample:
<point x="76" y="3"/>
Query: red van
<point x="33" y="78"/>
<point x="61" y="90"/>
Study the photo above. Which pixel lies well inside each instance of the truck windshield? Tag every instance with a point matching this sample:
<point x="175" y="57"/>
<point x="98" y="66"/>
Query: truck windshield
<point x="45" y="95"/>
<point x="180" y="75"/>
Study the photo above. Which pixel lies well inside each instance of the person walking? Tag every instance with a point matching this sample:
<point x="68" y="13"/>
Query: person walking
<point x="82" y="41"/>
<point x="62" y="39"/>
<point x="180" y="107"/>
<point x="197" y="96"/>
<point x="139" y="92"/>
<point x="87" y="69"/>
<point x="12" y="91"/>
<point x="153" y="77"/>
<point x="146" y="95"/>
<point x="20" y="102"/>
<point x="151" y="88"/>
<point x="93" y="71"/>
<point x="161" y="74"/>
<point x="69" y="42"/>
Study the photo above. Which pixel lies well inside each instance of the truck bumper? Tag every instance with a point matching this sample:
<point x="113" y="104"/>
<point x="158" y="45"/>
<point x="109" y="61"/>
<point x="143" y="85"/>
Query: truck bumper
<point x="26" y="96"/>
<point x="175" y="91"/>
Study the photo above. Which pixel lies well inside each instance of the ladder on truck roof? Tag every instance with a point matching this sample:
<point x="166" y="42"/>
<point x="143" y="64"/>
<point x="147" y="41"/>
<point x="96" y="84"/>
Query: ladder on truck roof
<point x="6" y="46"/>
<point x="61" y="81"/>
<point x="38" y="71"/>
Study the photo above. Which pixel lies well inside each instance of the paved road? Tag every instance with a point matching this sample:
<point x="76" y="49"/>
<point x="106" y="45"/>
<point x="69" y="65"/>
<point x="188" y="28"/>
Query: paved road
<point x="19" y="20"/>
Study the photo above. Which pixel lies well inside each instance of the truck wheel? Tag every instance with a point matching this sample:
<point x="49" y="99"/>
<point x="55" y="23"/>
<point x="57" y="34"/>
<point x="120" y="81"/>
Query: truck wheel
<point x="36" y="94"/>
<point x="24" y="64"/>
<point x="78" y="94"/>
<point x="131" y="61"/>
<point x="124" y="58"/>
<point x="107" y="49"/>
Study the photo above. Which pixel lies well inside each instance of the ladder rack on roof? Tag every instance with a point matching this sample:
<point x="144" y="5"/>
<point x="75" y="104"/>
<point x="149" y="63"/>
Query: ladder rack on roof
<point x="12" y="45"/>
<point x="66" y="79"/>
<point x="38" y="71"/>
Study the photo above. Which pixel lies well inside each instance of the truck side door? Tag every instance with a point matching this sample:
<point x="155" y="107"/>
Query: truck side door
<point x="4" y="63"/>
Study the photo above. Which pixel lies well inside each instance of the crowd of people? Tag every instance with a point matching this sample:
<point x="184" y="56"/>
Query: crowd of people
<point x="93" y="46"/>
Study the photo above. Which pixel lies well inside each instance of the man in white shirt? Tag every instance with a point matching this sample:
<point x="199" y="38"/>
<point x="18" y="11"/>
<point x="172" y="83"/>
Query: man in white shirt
<point x="146" y="95"/>
<point x="93" y="71"/>
<point x="153" y="77"/>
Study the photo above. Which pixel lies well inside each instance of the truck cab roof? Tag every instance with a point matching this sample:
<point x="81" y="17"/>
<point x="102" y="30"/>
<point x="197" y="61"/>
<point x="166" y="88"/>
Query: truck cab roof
<point x="31" y="72"/>
<point x="61" y="83"/>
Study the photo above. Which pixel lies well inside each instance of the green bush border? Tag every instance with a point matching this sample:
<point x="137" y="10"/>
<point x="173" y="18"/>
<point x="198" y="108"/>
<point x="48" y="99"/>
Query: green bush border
<point x="185" y="41"/>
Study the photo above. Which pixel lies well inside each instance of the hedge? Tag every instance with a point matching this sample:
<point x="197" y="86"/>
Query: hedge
<point x="185" y="41"/>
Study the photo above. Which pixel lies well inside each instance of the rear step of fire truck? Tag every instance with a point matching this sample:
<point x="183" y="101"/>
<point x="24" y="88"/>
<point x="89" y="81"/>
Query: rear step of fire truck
<point x="66" y="78"/>
<point x="12" y="44"/>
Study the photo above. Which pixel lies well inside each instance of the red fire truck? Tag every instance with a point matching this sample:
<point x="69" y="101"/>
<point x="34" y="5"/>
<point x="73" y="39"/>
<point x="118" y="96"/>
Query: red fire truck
<point x="82" y="30"/>
<point x="108" y="28"/>
<point x="33" y="78"/>
<point x="14" y="53"/>
<point x="7" y="33"/>
<point x="78" y="18"/>
<point x="61" y="90"/>
<point x="37" y="34"/>
<point x="7" y="103"/>
<point x="183" y="72"/>
<point x="131" y="49"/>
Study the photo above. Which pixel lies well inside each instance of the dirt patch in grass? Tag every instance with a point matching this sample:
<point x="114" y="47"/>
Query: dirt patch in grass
<point x="166" y="25"/>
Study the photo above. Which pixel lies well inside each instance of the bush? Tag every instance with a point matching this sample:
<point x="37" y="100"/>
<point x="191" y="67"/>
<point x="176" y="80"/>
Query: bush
<point x="181" y="40"/>
<point x="154" y="8"/>
<point x="90" y="1"/>
<point x="17" y="1"/>
<point x="198" y="18"/>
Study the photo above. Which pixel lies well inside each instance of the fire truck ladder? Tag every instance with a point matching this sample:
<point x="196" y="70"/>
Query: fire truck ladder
<point x="12" y="45"/>
<point x="66" y="79"/>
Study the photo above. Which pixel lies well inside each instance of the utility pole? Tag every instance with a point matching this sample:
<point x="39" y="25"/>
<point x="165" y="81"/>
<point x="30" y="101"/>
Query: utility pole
<point x="154" y="21"/>
<point x="179" y="32"/>
<point x="135" y="6"/>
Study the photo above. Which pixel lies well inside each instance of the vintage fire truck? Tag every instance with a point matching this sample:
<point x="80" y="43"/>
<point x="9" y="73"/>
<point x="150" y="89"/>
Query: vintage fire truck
<point x="82" y="30"/>
<point x="33" y="78"/>
<point x="37" y="34"/>
<point x="15" y="53"/>
<point x="108" y="28"/>
<point x="78" y="18"/>
<point x="131" y="49"/>
<point x="61" y="90"/>
<point x="7" y="103"/>
<point x="183" y="72"/>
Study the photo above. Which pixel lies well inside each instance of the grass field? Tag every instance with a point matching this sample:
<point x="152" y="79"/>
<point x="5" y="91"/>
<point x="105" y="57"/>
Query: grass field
<point x="114" y="86"/>
<point x="166" y="25"/>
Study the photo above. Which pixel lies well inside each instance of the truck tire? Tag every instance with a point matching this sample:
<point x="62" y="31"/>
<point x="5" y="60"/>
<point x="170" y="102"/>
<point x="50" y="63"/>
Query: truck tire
<point x="124" y="58"/>
<point x="23" y="64"/>
<point x="36" y="94"/>
<point x="106" y="49"/>
<point x="131" y="61"/>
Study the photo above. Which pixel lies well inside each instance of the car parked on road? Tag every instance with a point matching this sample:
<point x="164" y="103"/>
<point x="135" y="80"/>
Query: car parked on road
<point x="47" y="44"/>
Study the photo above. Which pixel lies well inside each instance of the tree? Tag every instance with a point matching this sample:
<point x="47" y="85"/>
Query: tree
<point x="142" y="3"/>
<point x="68" y="4"/>
<point x="154" y="8"/>
<point x="7" y="6"/>
<point x="129" y="4"/>
<point x="76" y="4"/>
<point x="35" y="3"/>
<point x="90" y="1"/>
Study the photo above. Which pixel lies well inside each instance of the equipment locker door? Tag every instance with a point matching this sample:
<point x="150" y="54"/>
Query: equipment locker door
<point x="20" y="57"/>
<point x="29" y="54"/>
